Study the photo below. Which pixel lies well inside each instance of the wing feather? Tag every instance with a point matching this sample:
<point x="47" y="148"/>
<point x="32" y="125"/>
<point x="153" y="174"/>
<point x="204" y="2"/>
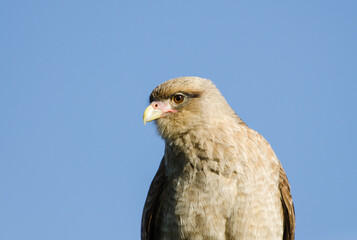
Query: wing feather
<point x="288" y="206"/>
<point x="149" y="217"/>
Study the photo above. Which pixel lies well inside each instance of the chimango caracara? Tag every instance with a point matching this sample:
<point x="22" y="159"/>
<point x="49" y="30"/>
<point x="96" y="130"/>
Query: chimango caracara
<point x="218" y="178"/>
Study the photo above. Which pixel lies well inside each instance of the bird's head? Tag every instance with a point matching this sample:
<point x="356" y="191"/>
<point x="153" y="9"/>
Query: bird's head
<point x="184" y="104"/>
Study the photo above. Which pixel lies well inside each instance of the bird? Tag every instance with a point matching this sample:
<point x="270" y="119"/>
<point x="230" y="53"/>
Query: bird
<point x="218" y="178"/>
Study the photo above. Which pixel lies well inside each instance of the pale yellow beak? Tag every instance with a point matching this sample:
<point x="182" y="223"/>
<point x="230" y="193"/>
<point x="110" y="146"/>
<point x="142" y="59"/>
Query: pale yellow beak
<point x="151" y="114"/>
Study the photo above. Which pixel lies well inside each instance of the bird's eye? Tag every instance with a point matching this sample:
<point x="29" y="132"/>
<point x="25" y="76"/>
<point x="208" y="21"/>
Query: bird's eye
<point x="178" y="98"/>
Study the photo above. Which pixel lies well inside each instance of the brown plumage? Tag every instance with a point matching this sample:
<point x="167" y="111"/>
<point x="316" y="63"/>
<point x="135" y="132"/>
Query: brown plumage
<point x="218" y="178"/>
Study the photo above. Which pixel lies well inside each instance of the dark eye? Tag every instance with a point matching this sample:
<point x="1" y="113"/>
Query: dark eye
<point x="178" y="98"/>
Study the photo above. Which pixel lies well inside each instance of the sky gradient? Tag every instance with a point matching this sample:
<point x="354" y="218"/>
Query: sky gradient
<point x="76" y="160"/>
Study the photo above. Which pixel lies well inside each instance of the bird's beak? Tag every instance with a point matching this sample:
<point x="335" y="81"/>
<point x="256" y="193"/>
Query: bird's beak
<point x="151" y="114"/>
<point x="157" y="109"/>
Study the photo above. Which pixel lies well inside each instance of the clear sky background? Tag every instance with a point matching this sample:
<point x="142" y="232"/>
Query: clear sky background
<point x="76" y="160"/>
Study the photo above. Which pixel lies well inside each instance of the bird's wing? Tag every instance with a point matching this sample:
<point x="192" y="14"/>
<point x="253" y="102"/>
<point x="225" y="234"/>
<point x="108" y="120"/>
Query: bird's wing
<point x="152" y="203"/>
<point x="288" y="206"/>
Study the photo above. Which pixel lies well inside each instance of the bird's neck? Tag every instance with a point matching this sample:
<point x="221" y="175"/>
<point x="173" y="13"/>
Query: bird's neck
<point x="200" y="148"/>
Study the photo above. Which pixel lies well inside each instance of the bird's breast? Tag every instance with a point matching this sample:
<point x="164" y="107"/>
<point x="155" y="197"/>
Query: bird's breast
<point x="224" y="191"/>
<point x="200" y="202"/>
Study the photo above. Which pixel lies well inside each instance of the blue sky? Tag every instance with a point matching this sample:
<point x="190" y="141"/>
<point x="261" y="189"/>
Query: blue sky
<point x="75" y="158"/>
